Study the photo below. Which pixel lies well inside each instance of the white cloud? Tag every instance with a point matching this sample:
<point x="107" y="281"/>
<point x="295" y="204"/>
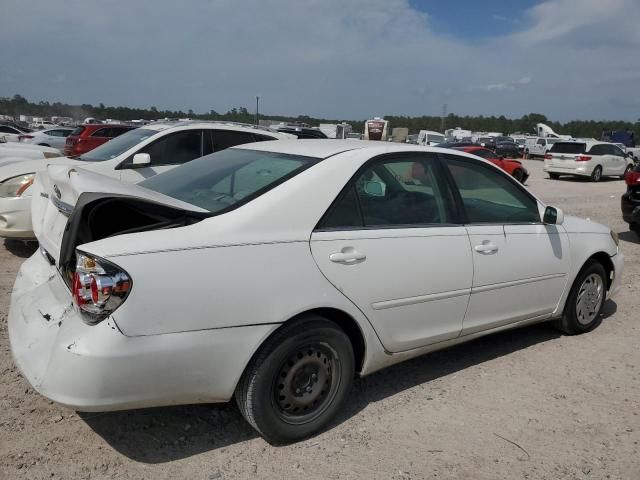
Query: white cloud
<point x="574" y="58"/>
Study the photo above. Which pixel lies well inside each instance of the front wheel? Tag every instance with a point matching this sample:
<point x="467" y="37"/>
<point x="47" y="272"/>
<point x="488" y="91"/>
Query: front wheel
<point x="596" y="175"/>
<point x="297" y="381"/>
<point x="586" y="299"/>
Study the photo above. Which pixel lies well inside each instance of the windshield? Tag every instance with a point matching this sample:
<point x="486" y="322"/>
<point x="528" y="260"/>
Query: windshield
<point x="229" y="178"/>
<point x="520" y="141"/>
<point x="435" y="138"/>
<point x="568" y="147"/>
<point x="118" y="145"/>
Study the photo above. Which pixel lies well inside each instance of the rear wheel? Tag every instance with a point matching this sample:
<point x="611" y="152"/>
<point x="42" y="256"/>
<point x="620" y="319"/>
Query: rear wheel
<point x="298" y="380"/>
<point x="554" y="176"/>
<point x="518" y="174"/>
<point x="582" y="312"/>
<point x="596" y="175"/>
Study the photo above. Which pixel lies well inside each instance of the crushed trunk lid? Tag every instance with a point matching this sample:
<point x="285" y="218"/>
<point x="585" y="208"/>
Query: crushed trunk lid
<point x="72" y="206"/>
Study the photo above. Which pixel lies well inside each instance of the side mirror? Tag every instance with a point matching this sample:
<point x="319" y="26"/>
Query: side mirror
<point x="553" y="216"/>
<point x="141" y="160"/>
<point x="374" y="189"/>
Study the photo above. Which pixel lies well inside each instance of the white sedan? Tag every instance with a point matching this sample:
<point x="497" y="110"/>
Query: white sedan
<point x="51" y="137"/>
<point x="274" y="272"/>
<point x="130" y="157"/>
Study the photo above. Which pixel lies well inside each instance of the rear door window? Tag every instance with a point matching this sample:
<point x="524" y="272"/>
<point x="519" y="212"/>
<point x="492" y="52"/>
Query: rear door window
<point x="101" y="132"/>
<point x="599" y="150"/>
<point x="399" y="191"/>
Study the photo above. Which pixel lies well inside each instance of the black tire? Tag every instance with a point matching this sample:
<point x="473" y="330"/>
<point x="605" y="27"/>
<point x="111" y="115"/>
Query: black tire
<point x="596" y="175"/>
<point x="297" y="381"/>
<point x="518" y="174"/>
<point x="554" y="176"/>
<point x="635" y="228"/>
<point x="584" y="317"/>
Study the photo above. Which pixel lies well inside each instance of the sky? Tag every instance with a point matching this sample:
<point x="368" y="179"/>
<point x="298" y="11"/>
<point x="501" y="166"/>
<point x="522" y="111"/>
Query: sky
<point x="354" y="59"/>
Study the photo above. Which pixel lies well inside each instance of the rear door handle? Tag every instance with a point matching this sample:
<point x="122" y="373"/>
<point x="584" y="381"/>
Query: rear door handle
<point x="347" y="255"/>
<point x="486" y="248"/>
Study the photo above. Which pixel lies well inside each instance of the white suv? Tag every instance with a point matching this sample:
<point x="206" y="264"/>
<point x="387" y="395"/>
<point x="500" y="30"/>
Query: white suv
<point x="538" y="146"/>
<point x="588" y="158"/>
<point x="132" y="157"/>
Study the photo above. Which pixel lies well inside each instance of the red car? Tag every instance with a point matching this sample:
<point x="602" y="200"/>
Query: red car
<point x="511" y="166"/>
<point x="87" y="137"/>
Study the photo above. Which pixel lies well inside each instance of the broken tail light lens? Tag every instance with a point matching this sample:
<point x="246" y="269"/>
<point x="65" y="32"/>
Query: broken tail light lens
<point x="98" y="287"/>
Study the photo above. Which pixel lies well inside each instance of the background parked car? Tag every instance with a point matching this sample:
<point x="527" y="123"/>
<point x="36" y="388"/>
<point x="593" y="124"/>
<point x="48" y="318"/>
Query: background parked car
<point x="52" y="137"/>
<point x="590" y="158"/>
<point x="507" y="148"/>
<point x="630" y="201"/>
<point x="9" y="133"/>
<point x="87" y="137"/>
<point x="511" y="166"/>
<point x="538" y="146"/>
<point x="132" y="157"/>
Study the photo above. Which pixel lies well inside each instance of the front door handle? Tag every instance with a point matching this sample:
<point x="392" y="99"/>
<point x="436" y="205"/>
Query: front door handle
<point x="347" y="255"/>
<point x="486" y="248"/>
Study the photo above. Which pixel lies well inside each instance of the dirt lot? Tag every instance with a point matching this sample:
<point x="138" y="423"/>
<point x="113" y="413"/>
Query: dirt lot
<point x="526" y="404"/>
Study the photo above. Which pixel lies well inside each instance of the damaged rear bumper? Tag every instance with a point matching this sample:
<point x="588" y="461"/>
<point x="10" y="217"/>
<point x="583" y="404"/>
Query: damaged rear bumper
<point x="97" y="368"/>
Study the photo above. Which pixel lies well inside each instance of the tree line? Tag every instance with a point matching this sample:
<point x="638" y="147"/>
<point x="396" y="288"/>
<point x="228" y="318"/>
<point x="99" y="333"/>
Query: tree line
<point x="19" y="105"/>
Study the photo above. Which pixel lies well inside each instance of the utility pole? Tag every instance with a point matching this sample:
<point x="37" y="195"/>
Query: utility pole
<point x="257" y="108"/>
<point x="443" y="118"/>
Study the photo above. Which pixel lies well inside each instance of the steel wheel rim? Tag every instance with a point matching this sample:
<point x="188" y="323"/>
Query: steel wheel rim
<point x="306" y="383"/>
<point x="589" y="299"/>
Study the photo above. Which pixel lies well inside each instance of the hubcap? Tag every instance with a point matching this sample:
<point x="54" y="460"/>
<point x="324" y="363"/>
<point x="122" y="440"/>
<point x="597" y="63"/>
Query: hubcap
<point x="306" y="383"/>
<point x="596" y="174"/>
<point x="589" y="299"/>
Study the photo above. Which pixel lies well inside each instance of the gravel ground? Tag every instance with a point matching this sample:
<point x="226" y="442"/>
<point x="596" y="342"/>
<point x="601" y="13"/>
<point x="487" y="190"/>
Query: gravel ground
<point x="526" y="404"/>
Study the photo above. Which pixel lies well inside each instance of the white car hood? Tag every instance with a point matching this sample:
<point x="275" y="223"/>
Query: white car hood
<point x="26" y="150"/>
<point x="580" y="225"/>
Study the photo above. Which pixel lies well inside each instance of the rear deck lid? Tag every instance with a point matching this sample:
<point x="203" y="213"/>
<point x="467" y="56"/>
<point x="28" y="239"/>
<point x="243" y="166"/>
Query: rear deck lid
<point x="57" y="188"/>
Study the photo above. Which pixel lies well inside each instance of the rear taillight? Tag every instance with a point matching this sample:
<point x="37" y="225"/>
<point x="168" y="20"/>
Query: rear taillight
<point x="548" y="156"/>
<point x="98" y="287"/>
<point x="22" y="138"/>
<point x="582" y="158"/>
<point x="632" y="177"/>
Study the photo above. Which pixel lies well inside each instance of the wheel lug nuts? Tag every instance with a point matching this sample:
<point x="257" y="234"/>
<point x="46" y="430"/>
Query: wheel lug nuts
<point x="308" y="389"/>
<point x="298" y="391"/>
<point x="314" y="377"/>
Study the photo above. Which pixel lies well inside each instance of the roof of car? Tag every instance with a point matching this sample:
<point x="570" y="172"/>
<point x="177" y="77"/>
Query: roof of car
<point x="159" y="126"/>
<point x="324" y="148"/>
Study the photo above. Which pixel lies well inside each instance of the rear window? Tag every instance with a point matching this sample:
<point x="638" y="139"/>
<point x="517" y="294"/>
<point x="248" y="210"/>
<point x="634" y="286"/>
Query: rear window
<point x="227" y="179"/>
<point x="568" y="147"/>
<point x="77" y="131"/>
